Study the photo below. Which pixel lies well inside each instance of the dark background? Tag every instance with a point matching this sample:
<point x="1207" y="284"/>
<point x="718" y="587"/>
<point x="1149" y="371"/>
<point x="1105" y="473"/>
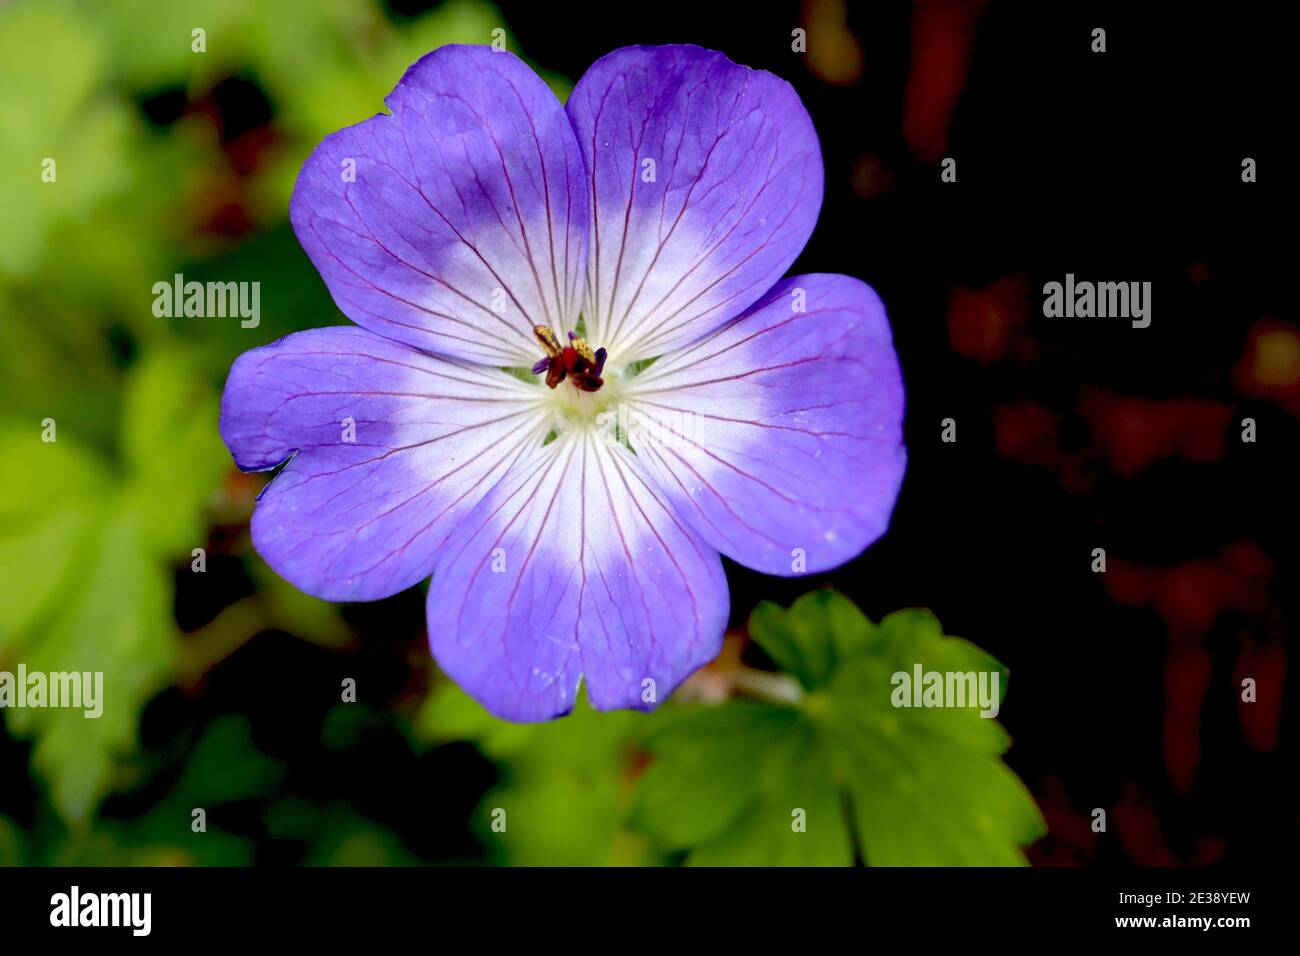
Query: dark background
<point x="1124" y="165"/>
<point x="1119" y="166"/>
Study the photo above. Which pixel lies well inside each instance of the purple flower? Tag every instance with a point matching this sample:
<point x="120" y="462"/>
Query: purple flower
<point x="495" y="422"/>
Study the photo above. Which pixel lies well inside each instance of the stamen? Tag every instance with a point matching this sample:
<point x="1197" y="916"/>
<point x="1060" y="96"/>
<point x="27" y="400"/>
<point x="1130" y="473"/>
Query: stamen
<point x="576" y="360"/>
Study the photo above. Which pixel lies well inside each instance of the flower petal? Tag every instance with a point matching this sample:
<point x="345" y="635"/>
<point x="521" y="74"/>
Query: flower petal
<point x="735" y="192"/>
<point x="575" y="566"/>
<point x="359" y="519"/>
<point x="780" y="434"/>
<point x="465" y="224"/>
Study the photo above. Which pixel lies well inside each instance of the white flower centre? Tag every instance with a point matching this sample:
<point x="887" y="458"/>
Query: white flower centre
<point x="570" y="407"/>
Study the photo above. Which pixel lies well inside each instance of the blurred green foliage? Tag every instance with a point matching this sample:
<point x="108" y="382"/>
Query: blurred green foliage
<point x="564" y="783"/>
<point x="166" y="834"/>
<point x="813" y="766"/>
<point x="100" y="204"/>
<point x="91" y="540"/>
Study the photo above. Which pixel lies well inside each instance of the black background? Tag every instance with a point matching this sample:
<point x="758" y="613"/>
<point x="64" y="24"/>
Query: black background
<point x="1124" y="165"/>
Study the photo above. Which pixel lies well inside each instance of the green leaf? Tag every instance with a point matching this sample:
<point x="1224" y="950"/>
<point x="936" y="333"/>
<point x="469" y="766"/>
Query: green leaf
<point x="768" y="832"/>
<point x="116" y="620"/>
<point x="207" y="780"/>
<point x="171" y="450"/>
<point x="152" y="42"/>
<point x="38" y="477"/>
<point x="48" y="508"/>
<point x="164" y="835"/>
<point x="844" y="774"/>
<point x="13" y="843"/>
<point x="809" y="641"/>
<point x="703" y="782"/>
<point x="93" y="546"/>
<point x="51" y="64"/>
<point x="564" y="783"/>
<point x="334" y="834"/>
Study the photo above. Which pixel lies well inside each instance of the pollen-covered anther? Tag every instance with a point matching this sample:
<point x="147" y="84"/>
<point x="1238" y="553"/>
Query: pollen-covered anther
<point x="575" y="361"/>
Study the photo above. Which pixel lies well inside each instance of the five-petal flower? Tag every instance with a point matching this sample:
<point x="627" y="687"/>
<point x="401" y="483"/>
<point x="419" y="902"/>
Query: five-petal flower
<point x="625" y="250"/>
